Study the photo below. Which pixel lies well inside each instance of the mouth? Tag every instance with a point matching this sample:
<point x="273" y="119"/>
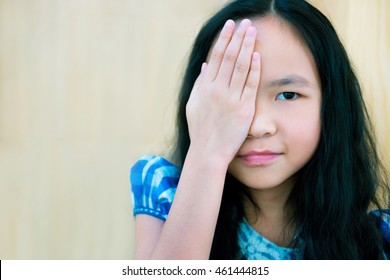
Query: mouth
<point x="254" y="158"/>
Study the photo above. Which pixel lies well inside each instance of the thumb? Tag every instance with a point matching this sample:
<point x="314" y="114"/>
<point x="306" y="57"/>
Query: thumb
<point x="201" y="75"/>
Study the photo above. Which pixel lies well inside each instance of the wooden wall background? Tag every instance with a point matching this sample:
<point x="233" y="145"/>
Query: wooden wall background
<point x="88" y="86"/>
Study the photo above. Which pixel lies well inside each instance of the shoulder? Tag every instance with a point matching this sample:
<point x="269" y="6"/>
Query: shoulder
<point x="153" y="182"/>
<point x="152" y="169"/>
<point x="383" y="222"/>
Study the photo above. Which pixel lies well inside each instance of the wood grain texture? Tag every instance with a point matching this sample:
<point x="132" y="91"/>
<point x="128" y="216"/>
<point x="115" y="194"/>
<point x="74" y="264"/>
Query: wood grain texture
<point x="86" y="87"/>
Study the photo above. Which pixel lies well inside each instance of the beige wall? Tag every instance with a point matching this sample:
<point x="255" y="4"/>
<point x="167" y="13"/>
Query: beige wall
<point x="88" y="86"/>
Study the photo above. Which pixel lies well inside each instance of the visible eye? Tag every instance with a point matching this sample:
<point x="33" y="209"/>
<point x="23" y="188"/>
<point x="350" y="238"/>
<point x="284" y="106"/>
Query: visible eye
<point x="287" y="95"/>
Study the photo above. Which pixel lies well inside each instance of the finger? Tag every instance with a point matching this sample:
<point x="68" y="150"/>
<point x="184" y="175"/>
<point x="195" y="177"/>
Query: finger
<point x="252" y="82"/>
<point x="201" y="74"/>
<point x="232" y="51"/>
<point x="243" y="63"/>
<point x="197" y="83"/>
<point x="219" y="50"/>
<point x="199" y="79"/>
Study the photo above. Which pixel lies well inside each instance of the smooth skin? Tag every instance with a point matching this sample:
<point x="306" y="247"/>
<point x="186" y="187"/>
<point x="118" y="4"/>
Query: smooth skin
<point x="219" y="111"/>
<point x="224" y="118"/>
<point x="286" y="122"/>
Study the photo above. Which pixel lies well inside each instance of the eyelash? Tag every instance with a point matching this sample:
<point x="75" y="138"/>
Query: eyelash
<point x="296" y="95"/>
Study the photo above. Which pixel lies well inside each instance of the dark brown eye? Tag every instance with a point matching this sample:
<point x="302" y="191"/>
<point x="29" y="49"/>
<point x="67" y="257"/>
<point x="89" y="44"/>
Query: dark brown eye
<point x="287" y="95"/>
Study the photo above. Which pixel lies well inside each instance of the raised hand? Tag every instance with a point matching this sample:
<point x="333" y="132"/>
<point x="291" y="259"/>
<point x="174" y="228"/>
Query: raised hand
<point x="222" y="102"/>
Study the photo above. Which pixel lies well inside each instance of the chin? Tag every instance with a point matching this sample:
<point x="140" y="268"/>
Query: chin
<point x="274" y="176"/>
<point x="260" y="185"/>
<point x="264" y="180"/>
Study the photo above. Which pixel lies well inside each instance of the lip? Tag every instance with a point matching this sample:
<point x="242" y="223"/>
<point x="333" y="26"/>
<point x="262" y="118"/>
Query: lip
<point x="259" y="157"/>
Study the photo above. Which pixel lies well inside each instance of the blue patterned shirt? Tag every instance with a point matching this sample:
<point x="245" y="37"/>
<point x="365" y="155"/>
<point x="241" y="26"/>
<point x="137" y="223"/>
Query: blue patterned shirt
<point x="154" y="181"/>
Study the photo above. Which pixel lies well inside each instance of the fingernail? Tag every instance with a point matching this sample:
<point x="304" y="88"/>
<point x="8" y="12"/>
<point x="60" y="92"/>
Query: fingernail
<point x="228" y="24"/>
<point x="256" y="56"/>
<point x="203" y="68"/>
<point x="245" y="23"/>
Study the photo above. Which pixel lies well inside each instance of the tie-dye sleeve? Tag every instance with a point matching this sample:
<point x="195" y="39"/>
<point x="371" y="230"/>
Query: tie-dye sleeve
<point x="383" y="221"/>
<point x="153" y="183"/>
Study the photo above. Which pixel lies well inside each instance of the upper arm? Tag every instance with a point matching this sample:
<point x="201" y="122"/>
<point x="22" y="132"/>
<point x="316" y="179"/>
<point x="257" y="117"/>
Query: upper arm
<point x="147" y="233"/>
<point x="153" y="184"/>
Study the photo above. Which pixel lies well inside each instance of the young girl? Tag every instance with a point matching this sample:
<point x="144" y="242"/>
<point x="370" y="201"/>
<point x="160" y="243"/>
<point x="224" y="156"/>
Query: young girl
<point x="275" y="156"/>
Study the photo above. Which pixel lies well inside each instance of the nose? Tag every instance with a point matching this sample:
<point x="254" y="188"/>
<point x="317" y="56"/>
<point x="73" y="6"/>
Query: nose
<point x="263" y="123"/>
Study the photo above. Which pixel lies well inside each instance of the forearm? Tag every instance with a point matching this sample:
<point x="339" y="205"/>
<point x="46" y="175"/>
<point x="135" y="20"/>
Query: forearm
<point x="219" y="114"/>
<point x="189" y="230"/>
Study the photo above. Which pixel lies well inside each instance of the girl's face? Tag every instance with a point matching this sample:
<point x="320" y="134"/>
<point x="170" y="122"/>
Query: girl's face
<point x="285" y="130"/>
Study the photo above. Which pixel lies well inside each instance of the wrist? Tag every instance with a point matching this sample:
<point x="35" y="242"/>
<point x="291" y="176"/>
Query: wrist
<point x="208" y="159"/>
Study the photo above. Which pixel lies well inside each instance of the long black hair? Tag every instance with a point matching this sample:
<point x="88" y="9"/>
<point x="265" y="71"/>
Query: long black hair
<point x="337" y="187"/>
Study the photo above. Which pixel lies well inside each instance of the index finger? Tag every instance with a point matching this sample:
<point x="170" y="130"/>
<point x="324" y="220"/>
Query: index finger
<point x="219" y="50"/>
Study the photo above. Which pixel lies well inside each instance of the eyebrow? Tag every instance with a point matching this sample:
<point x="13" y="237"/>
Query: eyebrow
<point x="288" y="80"/>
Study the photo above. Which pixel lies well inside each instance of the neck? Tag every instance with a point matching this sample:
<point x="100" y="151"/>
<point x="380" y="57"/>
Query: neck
<point x="273" y="214"/>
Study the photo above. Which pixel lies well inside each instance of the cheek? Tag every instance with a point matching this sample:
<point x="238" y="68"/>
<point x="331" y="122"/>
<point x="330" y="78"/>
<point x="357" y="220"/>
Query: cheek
<point x="302" y="137"/>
